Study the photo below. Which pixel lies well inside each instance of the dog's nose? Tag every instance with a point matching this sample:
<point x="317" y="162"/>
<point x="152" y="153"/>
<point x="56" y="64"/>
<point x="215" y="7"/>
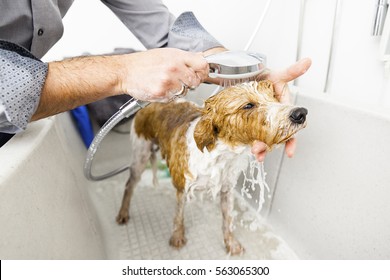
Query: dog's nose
<point x="298" y="115"/>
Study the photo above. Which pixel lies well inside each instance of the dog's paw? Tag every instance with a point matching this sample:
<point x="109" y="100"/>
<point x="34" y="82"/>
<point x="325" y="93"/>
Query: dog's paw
<point x="122" y="218"/>
<point x="177" y="240"/>
<point x="234" y="248"/>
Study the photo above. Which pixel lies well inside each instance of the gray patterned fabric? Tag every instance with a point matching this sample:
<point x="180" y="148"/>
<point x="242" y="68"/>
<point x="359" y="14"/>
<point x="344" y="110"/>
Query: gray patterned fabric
<point x="22" y="77"/>
<point x="35" y="25"/>
<point x="188" y="34"/>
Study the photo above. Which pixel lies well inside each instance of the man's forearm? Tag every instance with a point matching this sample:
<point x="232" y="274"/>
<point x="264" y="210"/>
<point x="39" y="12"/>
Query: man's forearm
<point x="153" y="75"/>
<point x="74" y="82"/>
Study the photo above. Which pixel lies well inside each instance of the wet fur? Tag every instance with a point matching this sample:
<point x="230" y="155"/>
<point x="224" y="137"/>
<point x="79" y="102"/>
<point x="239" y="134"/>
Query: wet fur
<point x="207" y="148"/>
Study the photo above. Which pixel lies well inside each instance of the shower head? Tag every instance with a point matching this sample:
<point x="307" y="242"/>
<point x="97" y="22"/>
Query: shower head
<point x="236" y="66"/>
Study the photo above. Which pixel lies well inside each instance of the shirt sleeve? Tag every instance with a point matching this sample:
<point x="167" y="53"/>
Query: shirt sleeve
<point x="152" y="23"/>
<point x="22" y="77"/>
<point x="188" y="34"/>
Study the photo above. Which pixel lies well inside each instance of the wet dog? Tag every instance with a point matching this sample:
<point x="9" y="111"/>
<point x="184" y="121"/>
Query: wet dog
<point x="207" y="148"/>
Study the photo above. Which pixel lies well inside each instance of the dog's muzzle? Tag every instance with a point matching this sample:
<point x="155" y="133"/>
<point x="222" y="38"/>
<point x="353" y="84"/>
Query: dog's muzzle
<point x="298" y="115"/>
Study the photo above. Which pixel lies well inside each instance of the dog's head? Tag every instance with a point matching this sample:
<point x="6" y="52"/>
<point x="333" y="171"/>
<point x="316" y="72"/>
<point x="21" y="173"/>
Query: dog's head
<point x="244" y="113"/>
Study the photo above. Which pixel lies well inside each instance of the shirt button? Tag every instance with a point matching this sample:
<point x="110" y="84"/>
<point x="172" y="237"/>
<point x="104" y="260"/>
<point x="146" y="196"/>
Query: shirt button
<point x="40" y="32"/>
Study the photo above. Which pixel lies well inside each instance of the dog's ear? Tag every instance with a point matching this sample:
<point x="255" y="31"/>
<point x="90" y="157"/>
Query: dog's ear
<point x="265" y="86"/>
<point x="205" y="134"/>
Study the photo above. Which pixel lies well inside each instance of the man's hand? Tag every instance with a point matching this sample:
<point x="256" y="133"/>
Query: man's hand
<point x="158" y="74"/>
<point x="280" y="80"/>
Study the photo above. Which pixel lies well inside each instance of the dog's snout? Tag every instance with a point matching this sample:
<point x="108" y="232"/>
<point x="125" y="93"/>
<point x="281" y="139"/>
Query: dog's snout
<point x="298" y="115"/>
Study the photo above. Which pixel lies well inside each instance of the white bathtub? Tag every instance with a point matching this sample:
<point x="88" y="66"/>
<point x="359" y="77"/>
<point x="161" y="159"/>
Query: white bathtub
<point x="331" y="201"/>
<point x="45" y="209"/>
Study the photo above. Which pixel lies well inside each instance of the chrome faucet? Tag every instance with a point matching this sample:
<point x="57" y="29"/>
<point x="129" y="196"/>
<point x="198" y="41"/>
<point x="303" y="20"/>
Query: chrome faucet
<point x="380" y="16"/>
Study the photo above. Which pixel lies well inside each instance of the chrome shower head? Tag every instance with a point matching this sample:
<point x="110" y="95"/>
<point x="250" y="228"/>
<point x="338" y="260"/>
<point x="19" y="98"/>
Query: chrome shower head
<point x="236" y="65"/>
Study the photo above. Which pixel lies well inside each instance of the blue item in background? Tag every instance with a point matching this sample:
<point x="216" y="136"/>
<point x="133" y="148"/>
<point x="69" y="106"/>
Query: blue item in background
<point x="84" y="125"/>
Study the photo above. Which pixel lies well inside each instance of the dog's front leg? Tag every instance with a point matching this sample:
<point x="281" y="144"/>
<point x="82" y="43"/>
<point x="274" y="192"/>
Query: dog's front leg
<point x="178" y="239"/>
<point x="233" y="247"/>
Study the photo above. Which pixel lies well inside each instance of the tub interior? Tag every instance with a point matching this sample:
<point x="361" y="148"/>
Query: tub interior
<point x="330" y="201"/>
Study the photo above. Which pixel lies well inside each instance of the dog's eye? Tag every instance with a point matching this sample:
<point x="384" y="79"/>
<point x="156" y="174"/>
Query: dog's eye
<point x="249" y="106"/>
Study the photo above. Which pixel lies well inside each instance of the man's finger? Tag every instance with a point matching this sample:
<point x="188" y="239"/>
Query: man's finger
<point x="290" y="147"/>
<point x="259" y="150"/>
<point x="292" y="72"/>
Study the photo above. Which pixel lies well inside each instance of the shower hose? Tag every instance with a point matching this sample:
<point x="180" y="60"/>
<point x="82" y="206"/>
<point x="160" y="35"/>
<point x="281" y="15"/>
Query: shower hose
<point x="126" y="110"/>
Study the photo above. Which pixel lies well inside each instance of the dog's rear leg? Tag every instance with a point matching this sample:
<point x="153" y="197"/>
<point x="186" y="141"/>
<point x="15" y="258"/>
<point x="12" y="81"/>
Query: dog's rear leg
<point x="140" y="160"/>
<point x="123" y="215"/>
<point x="233" y="247"/>
<point x="178" y="239"/>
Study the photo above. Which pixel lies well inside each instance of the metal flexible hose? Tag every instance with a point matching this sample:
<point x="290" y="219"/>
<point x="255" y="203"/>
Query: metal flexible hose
<point x="128" y="109"/>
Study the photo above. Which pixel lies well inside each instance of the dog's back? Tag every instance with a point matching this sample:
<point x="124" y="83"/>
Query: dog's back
<point x="165" y="125"/>
<point x="162" y="120"/>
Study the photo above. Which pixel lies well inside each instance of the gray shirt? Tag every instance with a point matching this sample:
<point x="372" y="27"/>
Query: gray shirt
<point x="37" y="25"/>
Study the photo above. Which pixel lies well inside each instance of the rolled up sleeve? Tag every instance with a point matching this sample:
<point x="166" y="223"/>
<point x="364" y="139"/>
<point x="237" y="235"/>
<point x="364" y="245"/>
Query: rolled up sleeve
<point x="188" y="34"/>
<point x="22" y="77"/>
